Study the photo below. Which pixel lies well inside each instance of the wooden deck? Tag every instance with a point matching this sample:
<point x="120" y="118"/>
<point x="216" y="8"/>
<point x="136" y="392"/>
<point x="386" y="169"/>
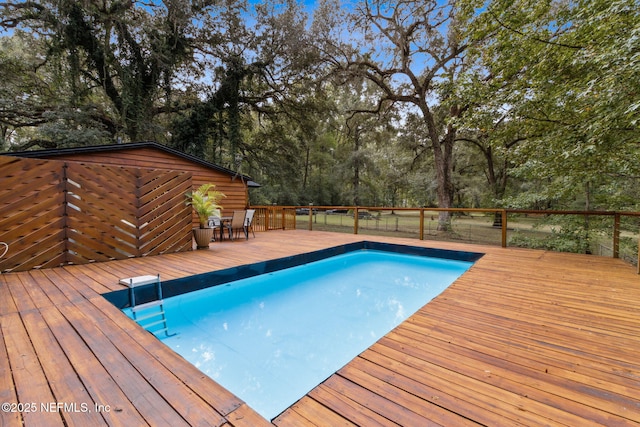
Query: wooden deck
<point x="523" y="338"/>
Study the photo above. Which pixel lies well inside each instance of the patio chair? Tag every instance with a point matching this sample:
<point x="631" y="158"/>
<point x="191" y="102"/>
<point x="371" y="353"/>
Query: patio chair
<point x="215" y="222"/>
<point x="237" y="223"/>
<point x="248" y="221"/>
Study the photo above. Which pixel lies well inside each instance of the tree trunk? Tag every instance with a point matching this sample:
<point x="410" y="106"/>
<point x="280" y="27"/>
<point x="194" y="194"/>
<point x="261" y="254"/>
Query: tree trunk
<point x="497" y="185"/>
<point x="443" y="160"/>
<point x="305" y="177"/>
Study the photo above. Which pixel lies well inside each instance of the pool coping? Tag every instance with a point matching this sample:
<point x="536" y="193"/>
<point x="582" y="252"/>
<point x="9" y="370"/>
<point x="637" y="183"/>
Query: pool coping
<point x="174" y="287"/>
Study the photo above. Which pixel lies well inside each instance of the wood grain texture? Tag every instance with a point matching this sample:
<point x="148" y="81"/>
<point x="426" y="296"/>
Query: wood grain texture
<point x="54" y="213"/>
<point x="523" y="338"/>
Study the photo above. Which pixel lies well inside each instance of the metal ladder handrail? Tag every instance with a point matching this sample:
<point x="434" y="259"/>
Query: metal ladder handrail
<point x="132" y="283"/>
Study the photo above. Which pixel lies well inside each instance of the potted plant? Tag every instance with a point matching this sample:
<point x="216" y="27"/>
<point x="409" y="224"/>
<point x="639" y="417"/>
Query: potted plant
<point x="204" y="201"/>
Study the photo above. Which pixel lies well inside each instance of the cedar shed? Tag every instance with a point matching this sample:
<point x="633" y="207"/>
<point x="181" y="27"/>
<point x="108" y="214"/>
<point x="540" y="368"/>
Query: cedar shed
<point x="151" y="155"/>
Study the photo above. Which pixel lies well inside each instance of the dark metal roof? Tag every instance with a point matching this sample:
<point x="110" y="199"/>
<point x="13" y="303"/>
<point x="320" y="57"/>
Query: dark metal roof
<point x="37" y="154"/>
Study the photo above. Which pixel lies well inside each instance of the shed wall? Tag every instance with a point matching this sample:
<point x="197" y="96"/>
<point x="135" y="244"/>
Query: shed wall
<point x="233" y="187"/>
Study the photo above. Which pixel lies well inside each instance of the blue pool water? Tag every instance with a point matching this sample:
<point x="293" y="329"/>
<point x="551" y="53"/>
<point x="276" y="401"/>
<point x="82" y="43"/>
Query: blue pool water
<point x="272" y="338"/>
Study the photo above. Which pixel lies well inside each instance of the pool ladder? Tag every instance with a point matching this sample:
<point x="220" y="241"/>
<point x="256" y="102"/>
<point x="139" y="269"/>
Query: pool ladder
<point x="151" y="314"/>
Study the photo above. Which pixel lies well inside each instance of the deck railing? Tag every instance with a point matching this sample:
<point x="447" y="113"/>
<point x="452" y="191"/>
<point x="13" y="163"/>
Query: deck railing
<point x="609" y="233"/>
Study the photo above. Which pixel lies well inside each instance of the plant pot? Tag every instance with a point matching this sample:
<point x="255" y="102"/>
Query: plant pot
<point x="203" y="237"/>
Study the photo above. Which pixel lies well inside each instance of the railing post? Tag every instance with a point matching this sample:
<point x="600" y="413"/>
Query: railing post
<point x="504" y="228"/>
<point x="421" y="224"/>
<point x="355" y="220"/>
<point x="616" y="235"/>
<point x="638" y="264"/>
<point x="310" y="216"/>
<point x="283" y="219"/>
<point x="267" y="214"/>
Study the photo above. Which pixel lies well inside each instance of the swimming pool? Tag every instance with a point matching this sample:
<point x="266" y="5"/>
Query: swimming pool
<point x="271" y="338"/>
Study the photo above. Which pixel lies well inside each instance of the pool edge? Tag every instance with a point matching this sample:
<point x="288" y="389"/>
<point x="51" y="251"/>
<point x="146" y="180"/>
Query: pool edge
<point x="174" y="287"/>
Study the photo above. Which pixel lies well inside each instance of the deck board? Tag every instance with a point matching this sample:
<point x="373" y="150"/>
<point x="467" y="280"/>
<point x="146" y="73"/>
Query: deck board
<point x="63" y="380"/>
<point x="95" y="378"/>
<point x="7" y="391"/>
<point x="28" y="376"/>
<point x="331" y="400"/>
<point x="525" y="337"/>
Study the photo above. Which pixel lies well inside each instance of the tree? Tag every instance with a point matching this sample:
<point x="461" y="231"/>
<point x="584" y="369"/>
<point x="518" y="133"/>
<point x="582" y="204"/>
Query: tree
<point x="259" y="72"/>
<point x="360" y="131"/>
<point x="566" y="73"/>
<point x="18" y="71"/>
<point x="413" y="52"/>
<point x="33" y="108"/>
<point x="130" y="52"/>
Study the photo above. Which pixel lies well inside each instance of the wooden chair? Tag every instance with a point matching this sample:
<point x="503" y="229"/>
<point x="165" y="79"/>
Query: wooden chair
<point x="237" y="223"/>
<point x="248" y="221"/>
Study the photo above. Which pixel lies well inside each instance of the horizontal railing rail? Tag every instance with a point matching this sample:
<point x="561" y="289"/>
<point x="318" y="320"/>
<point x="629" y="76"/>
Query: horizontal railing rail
<point x="430" y="220"/>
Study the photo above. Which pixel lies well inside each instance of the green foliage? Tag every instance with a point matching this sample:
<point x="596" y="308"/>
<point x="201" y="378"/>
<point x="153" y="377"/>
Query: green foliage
<point x="205" y="201"/>
<point x="124" y="54"/>
<point x="567" y="233"/>
<point x="628" y="250"/>
<point x="530" y="104"/>
<point x="33" y="109"/>
<point x="561" y="74"/>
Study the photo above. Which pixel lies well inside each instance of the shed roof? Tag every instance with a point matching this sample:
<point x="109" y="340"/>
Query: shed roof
<point x="37" y="154"/>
